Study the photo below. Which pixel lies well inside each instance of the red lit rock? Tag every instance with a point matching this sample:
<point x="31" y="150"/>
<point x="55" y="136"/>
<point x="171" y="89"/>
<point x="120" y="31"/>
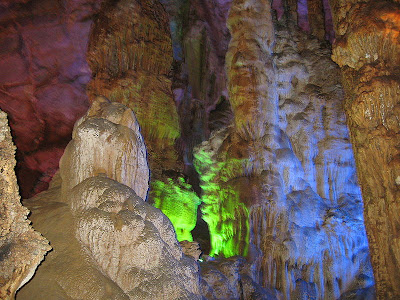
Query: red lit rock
<point x="43" y="73"/>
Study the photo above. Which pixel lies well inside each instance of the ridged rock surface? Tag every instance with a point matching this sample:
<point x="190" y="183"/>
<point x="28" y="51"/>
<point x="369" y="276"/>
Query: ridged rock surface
<point x="231" y="278"/>
<point x="107" y="141"/>
<point x="367" y="49"/>
<point x="108" y="243"/>
<point x="280" y="185"/>
<point x="130" y="55"/>
<point x="21" y="248"/>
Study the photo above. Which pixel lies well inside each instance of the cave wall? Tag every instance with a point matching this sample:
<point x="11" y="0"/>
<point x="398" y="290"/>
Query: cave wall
<point x="43" y="77"/>
<point x="367" y="50"/>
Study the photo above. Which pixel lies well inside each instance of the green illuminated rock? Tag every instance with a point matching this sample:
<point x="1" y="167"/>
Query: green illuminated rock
<point x="223" y="210"/>
<point x="179" y="203"/>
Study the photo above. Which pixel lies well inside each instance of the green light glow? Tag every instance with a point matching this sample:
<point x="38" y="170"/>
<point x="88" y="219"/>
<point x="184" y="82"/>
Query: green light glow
<point x="179" y="203"/>
<point x="226" y="216"/>
<point x="153" y="106"/>
<point x="227" y="219"/>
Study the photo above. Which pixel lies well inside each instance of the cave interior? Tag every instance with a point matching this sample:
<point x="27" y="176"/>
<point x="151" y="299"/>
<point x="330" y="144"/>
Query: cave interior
<point x="199" y="149"/>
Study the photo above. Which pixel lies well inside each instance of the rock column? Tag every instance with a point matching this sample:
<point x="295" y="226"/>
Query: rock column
<point x="367" y="49"/>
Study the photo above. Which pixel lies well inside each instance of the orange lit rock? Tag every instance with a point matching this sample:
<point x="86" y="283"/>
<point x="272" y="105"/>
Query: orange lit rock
<point x="250" y="78"/>
<point x="367" y="49"/>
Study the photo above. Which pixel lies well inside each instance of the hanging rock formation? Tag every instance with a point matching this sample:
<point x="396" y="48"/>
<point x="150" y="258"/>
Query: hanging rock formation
<point x="130" y="54"/>
<point x="280" y="185"/>
<point x="21" y="248"/>
<point x="200" y="40"/>
<point x="367" y="49"/>
<point x="108" y="243"/>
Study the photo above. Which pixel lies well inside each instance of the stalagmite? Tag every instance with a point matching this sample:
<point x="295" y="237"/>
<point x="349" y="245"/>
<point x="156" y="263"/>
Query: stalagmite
<point x="108" y="242"/>
<point x="21" y="248"/>
<point x="244" y="137"/>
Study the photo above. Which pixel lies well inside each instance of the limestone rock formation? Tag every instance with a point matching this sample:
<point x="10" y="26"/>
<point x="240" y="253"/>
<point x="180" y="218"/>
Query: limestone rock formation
<point x="130" y="55"/>
<point x="21" y="248"/>
<point x="280" y="185"/>
<point x="191" y="249"/>
<point x="277" y="184"/>
<point x="114" y="245"/>
<point x="231" y="278"/>
<point x="367" y="50"/>
<point x="252" y="84"/>
<point x="107" y="141"/>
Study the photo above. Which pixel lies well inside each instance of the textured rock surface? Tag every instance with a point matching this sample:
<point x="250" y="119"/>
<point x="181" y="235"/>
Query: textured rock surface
<point x="367" y="50"/>
<point x="280" y="181"/>
<point x="21" y="248"/>
<point x="114" y="245"/>
<point x="231" y="278"/>
<point x="280" y="184"/>
<point x="107" y="141"/>
<point x="130" y="54"/>
<point x="200" y="40"/>
<point x="191" y="249"/>
<point x="43" y="76"/>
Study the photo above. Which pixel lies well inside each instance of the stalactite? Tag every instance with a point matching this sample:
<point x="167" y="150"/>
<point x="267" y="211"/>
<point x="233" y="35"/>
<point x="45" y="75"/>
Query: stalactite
<point x="316" y="17"/>
<point x="132" y="65"/>
<point x="287" y="161"/>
